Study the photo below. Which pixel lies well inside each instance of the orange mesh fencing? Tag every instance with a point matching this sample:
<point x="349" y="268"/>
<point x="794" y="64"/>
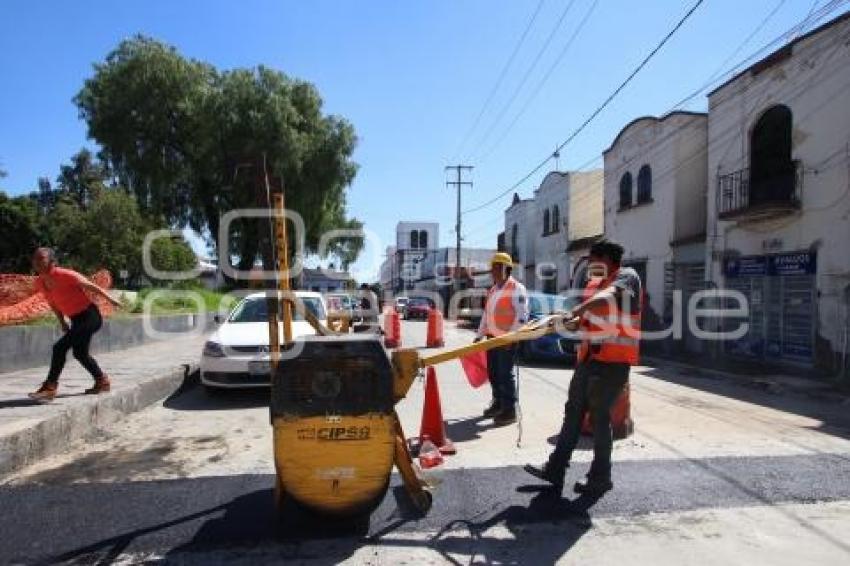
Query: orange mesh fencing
<point x="19" y="302"/>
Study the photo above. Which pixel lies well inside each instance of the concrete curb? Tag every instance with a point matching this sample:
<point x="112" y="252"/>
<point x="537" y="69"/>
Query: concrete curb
<point x="81" y="418"/>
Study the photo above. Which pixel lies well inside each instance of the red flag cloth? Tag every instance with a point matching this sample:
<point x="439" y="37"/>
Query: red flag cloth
<point x="475" y="368"/>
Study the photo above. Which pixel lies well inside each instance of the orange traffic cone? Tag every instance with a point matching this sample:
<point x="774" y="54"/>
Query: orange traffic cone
<point x="435" y="329"/>
<point x="433" y="427"/>
<point x="621" y="418"/>
<point x="392" y="329"/>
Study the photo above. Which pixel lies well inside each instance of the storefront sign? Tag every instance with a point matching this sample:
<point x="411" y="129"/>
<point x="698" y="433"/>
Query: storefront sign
<point x="793" y="264"/>
<point x="747" y="266"/>
<point x="798" y="263"/>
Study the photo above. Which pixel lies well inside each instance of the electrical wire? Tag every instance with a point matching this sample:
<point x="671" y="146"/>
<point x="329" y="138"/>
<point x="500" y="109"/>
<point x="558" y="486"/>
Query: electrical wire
<point x="499" y="81"/>
<point x="542" y="82"/>
<point x="525" y="77"/>
<point x="598" y="110"/>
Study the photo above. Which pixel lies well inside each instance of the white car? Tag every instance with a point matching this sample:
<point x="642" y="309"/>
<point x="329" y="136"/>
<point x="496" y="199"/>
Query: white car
<point x="237" y="354"/>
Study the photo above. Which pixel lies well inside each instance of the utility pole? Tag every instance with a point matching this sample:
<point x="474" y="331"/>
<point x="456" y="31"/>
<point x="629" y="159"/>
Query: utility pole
<point x="458" y="184"/>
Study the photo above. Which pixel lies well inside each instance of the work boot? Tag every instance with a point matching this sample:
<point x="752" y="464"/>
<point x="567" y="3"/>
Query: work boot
<point x="493" y="409"/>
<point x="593" y="486"/>
<point x="548" y="473"/>
<point x="46" y="393"/>
<point x="505" y="417"/>
<point x="101" y="385"/>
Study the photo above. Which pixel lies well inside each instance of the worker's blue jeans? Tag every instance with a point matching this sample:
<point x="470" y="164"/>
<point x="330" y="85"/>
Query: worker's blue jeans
<point x="500" y="370"/>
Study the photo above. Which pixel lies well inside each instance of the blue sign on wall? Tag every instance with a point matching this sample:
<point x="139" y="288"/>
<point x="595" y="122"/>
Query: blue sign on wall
<point x="803" y="263"/>
<point x="747" y="266"/>
<point x="797" y="263"/>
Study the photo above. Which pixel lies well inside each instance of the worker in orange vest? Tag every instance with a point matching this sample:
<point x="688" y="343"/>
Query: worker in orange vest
<point x="505" y="309"/>
<point x="608" y="320"/>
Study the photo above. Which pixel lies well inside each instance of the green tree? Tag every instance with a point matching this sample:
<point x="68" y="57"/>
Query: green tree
<point x="84" y="179"/>
<point x="19" y="232"/>
<point x="193" y="143"/>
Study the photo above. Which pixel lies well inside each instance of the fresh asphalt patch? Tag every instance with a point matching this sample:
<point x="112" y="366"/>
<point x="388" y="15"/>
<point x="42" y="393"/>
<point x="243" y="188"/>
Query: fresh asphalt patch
<point x="57" y="522"/>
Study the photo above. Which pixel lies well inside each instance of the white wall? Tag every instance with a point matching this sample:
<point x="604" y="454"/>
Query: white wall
<point x="814" y="82"/>
<point x="550" y="248"/>
<point x="674" y="148"/>
<point x="522" y="214"/>
<point x="403" y="234"/>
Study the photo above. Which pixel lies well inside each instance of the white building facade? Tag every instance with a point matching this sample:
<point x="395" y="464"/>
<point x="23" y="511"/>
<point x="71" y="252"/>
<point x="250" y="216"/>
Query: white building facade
<point x="538" y="231"/>
<point x="779" y="199"/>
<point x="655" y="191"/>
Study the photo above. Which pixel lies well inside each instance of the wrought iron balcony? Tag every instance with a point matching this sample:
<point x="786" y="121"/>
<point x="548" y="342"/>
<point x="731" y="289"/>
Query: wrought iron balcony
<point x="777" y="193"/>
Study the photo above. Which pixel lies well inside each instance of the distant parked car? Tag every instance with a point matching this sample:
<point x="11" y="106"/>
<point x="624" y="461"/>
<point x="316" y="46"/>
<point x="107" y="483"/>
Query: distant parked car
<point x="237" y="353"/>
<point x="401" y="305"/>
<point x="343" y="305"/>
<point x="552" y="347"/>
<point x="418" y="307"/>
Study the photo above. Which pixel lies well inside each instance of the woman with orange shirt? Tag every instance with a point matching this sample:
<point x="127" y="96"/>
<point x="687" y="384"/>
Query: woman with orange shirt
<point x="64" y="291"/>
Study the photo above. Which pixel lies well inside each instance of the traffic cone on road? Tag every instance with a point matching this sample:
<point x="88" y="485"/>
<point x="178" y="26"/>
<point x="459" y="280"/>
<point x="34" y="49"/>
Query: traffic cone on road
<point x="433" y="426"/>
<point x="435" y="329"/>
<point x="392" y="328"/>
<point x="621" y="418"/>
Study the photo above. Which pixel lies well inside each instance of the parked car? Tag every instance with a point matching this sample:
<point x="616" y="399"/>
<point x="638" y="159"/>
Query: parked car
<point x="551" y="347"/>
<point x="237" y="353"/>
<point x="344" y="305"/>
<point x="401" y="305"/>
<point x="418" y="307"/>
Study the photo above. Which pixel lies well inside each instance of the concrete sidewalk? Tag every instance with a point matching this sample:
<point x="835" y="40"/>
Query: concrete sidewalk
<point x="140" y="376"/>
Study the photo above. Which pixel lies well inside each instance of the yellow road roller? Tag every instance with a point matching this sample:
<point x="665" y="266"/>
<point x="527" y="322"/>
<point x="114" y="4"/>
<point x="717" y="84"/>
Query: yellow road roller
<point x="336" y="432"/>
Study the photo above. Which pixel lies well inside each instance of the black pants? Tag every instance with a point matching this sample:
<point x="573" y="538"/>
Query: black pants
<point x="595" y="387"/>
<point x="78" y="340"/>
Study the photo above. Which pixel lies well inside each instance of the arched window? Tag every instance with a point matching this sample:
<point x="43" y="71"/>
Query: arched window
<point x="626" y="190"/>
<point x="545" y="221"/>
<point x="414" y="239"/>
<point x="644" y="185"/>
<point x="514" y="249"/>
<point x="771" y="168"/>
<point x="556" y="219"/>
<point x="423" y="239"/>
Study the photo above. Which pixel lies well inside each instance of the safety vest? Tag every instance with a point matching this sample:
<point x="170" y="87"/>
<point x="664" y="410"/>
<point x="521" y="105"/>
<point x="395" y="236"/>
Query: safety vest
<point x="500" y="313"/>
<point x="609" y="334"/>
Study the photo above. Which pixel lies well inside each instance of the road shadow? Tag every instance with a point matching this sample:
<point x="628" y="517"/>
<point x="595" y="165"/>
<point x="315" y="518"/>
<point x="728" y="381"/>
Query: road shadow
<point x="832" y="412"/>
<point x="462" y="430"/>
<point x="27" y="402"/>
<point x="195" y="397"/>
<point x="467" y="541"/>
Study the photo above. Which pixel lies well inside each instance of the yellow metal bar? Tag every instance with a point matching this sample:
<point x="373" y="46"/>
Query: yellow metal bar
<point x="530" y="331"/>
<point x="283" y="263"/>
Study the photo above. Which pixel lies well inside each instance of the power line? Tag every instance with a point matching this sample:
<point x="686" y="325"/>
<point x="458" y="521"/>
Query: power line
<point x="501" y="78"/>
<point x="542" y="82"/>
<point x="732" y="132"/>
<point x="596" y="112"/>
<point x="527" y="75"/>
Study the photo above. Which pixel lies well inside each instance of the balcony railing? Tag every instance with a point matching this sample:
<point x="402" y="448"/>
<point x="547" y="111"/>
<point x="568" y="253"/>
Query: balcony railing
<point x="779" y="193"/>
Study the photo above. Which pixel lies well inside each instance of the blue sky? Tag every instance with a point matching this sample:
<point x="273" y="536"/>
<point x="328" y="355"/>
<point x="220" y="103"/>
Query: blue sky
<point x="411" y="77"/>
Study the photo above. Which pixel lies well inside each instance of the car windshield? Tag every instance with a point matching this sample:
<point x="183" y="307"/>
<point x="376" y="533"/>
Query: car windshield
<point x="254" y="310"/>
<point x="419" y="302"/>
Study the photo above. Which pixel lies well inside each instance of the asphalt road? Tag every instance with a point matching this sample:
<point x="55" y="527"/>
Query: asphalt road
<point x="717" y="472"/>
<point x="205" y="514"/>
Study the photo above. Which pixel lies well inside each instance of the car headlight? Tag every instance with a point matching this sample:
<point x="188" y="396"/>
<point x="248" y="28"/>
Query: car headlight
<point x="213" y="350"/>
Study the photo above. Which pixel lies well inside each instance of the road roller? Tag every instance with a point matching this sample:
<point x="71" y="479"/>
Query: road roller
<point x="336" y="433"/>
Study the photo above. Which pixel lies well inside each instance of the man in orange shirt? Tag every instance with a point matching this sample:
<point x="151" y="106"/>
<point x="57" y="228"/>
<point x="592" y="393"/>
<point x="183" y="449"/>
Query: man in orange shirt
<point x="64" y="291"/>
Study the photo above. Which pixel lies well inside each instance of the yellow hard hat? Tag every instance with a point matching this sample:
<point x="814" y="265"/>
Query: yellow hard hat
<point x="501" y="258"/>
